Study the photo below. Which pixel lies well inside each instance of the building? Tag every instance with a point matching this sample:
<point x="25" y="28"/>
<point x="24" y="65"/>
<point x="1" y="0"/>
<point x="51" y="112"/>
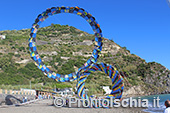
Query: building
<point x="2" y="37"/>
<point x="45" y="94"/>
<point x="18" y="92"/>
<point x="28" y="91"/>
<point x="23" y="91"/>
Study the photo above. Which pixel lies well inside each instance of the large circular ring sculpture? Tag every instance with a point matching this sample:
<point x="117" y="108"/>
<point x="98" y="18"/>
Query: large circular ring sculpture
<point x="116" y="78"/>
<point x="90" y="66"/>
<point x="32" y="41"/>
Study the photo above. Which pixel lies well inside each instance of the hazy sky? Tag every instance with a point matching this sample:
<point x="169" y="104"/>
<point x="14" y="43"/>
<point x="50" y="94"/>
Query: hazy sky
<point x="143" y="26"/>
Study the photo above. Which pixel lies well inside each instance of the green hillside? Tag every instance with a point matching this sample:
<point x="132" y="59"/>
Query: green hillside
<point x="64" y="49"/>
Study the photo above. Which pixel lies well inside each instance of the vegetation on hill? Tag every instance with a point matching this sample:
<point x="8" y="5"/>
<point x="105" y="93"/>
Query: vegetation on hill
<point x="64" y="49"/>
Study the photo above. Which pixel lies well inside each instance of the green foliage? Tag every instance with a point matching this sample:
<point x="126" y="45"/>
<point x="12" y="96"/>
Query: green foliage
<point x="21" y="48"/>
<point x="10" y="54"/>
<point x="133" y="80"/>
<point x="142" y="69"/>
<point x="62" y="85"/>
<point x="73" y="29"/>
<point x="125" y="49"/>
<point x="67" y="67"/>
<point x="30" y="71"/>
<point x="12" y="73"/>
<point x="118" y="54"/>
<point x="17" y="55"/>
<point x="129" y="58"/>
<point x="6" y="61"/>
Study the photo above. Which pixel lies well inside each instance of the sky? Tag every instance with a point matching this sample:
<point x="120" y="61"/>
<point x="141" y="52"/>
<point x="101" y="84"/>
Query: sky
<point x="142" y="26"/>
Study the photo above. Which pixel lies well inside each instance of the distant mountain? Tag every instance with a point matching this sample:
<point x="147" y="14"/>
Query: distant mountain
<point x="65" y="48"/>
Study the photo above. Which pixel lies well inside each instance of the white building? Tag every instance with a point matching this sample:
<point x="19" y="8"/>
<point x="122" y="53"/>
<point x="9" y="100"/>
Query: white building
<point x="30" y="91"/>
<point x="2" y="37"/>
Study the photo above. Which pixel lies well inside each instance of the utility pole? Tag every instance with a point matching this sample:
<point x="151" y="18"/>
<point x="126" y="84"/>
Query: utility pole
<point x="30" y="84"/>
